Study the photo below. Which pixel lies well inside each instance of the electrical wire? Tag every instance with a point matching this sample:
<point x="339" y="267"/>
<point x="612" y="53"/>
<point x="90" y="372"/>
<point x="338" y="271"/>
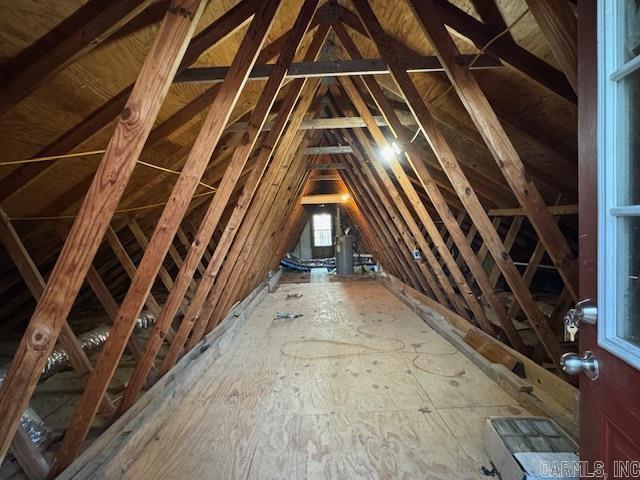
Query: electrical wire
<point x="89" y="153"/>
<point x="399" y="347"/>
<point x="120" y="211"/>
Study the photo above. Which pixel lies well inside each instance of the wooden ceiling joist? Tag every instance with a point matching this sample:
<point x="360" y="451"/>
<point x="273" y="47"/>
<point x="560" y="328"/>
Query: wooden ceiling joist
<point x="423" y="215"/>
<point x="256" y="235"/>
<point x="324" y="198"/>
<point x="330" y="123"/>
<point x="553" y="210"/>
<point x="380" y="209"/>
<point x="328" y="150"/>
<point x="287" y="162"/>
<point x="334" y="68"/>
<point x="252" y="196"/>
<point x="313" y="132"/>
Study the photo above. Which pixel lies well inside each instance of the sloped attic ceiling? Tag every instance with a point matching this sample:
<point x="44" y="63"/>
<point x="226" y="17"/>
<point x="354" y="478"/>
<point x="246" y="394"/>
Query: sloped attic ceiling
<point x="224" y="162"/>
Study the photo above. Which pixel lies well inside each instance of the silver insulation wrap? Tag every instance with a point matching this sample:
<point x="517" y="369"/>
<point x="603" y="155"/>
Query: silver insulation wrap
<point x="31" y="422"/>
<point x="90" y="341"/>
<point x="58" y="360"/>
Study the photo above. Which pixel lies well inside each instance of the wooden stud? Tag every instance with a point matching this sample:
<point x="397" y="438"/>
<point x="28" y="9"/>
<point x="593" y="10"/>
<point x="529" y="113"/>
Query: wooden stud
<point x="265" y="194"/>
<point x="236" y="278"/>
<point x="509" y="240"/>
<point x="36" y="284"/>
<point x="402" y="218"/>
<point x="332" y="68"/>
<point x="33" y="463"/>
<point x="129" y="267"/>
<point x="423" y="215"/>
<point x="397" y="258"/>
<point x="374" y="204"/>
<point x="105" y="114"/>
<point x="553" y="210"/>
<point x="518" y="57"/>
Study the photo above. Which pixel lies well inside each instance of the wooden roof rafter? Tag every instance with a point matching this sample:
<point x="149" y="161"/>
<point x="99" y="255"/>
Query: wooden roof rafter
<point x="501" y="148"/>
<point x="459" y="180"/>
<point x="393" y="206"/>
<point x="201" y="151"/>
<point x="549" y="147"/>
<point x="100" y="203"/>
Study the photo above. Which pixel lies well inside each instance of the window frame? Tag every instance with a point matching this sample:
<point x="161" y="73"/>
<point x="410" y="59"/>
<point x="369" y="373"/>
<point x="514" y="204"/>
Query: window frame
<point x="314" y="230"/>
<point x="611" y="71"/>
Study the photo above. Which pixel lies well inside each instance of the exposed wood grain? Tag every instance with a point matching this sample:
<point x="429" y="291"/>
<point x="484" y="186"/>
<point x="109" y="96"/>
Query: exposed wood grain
<point x="285" y="113"/>
<point x="424" y="216"/>
<point x="436" y="197"/>
<point x="560" y="27"/>
<point x="553" y="210"/>
<point x="500" y="146"/>
<point x="165" y="230"/>
<point x="509" y="240"/>
<point x="505" y="49"/>
<point x="86" y="36"/>
<point x="110" y="110"/>
<point x="380" y="209"/>
<point x="139" y="425"/>
<point x="36" y="284"/>
<point x="330" y="68"/>
<point x="458" y="179"/>
<point x="92" y="221"/>
<point x="223" y="194"/>
<point x="129" y="267"/>
<point x="551" y="396"/>
<point x="257" y="413"/>
<point x="33" y="464"/>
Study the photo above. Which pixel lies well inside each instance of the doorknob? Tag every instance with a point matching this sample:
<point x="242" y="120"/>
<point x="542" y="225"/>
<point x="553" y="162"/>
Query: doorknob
<point x="574" y="364"/>
<point x="587" y="311"/>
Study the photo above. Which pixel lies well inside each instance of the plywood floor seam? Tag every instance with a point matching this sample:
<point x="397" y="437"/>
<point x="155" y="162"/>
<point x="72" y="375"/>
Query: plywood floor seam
<point x="358" y="387"/>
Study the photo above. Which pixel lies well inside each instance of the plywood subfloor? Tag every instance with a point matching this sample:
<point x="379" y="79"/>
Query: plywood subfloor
<point x="358" y="387"/>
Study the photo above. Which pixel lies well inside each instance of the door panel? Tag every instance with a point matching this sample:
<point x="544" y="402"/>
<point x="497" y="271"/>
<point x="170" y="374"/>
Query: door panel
<point x="609" y="405"/>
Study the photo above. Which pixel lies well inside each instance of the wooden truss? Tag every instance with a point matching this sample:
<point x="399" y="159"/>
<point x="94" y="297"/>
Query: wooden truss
<point x="232" y="198"/>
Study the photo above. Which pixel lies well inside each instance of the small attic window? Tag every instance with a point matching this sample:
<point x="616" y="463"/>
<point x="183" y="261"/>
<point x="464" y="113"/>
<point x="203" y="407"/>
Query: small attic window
<point x="322" y="230"/>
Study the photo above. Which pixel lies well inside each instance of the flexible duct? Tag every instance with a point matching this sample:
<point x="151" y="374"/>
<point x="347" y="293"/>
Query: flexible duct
<point x="58" y="360"/>
<point x="90" y="341"/>
<point x="31" y="422"/>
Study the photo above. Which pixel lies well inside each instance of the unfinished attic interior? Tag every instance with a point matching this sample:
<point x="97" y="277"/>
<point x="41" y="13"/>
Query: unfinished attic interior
<point x="319" y="239"/>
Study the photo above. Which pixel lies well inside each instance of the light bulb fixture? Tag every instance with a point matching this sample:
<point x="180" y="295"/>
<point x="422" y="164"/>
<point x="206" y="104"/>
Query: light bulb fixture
<point x="345" y="197"/>
<point x="391" y="151"/>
